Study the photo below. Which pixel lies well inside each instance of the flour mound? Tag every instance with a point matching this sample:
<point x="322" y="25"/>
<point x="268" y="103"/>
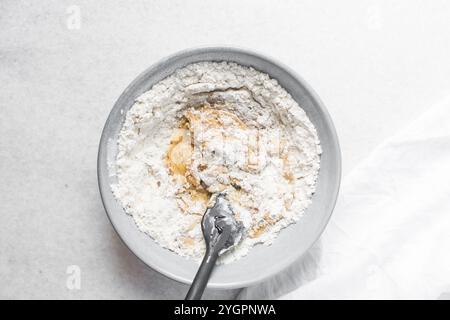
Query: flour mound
<point x="213" y="128"/>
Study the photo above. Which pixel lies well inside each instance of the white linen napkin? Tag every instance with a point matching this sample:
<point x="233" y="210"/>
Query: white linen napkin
<point x="389" y="236"/>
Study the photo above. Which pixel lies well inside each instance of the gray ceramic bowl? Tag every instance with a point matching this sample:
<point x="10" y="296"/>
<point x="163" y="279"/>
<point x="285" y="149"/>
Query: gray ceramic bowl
<point x="263" y="261"/>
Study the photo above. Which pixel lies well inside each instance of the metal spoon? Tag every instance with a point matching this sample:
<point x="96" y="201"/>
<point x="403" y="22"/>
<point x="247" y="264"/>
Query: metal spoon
<point x="221" y="232"/>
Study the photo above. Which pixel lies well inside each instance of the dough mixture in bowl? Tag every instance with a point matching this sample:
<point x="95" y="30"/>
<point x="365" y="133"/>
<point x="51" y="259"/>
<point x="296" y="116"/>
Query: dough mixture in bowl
<point x="213" y="128"/>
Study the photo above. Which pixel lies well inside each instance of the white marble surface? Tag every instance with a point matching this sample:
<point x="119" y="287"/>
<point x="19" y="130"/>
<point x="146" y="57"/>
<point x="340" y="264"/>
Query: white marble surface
<point x="376" y="65"/>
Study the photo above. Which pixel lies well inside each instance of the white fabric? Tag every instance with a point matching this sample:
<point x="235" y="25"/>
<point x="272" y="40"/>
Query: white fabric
<point x="389" y="236"/>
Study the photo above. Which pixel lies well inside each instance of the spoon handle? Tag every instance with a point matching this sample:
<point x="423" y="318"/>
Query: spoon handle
<point x="201" y="278"/>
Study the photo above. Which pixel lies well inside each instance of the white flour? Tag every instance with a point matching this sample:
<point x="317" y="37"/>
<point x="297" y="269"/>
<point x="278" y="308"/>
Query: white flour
<point x="209" y="128"/>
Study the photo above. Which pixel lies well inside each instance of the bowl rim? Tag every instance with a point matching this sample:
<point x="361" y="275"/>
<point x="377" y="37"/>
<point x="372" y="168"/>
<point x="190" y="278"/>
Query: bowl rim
<point x="231" y="49"/>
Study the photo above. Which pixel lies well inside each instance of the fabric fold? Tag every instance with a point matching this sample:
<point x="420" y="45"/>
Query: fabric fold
<point x="389" y="236"/>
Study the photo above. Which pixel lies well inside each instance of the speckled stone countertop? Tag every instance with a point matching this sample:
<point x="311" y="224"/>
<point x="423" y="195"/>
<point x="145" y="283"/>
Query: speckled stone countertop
<point x="63" y="64"/>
